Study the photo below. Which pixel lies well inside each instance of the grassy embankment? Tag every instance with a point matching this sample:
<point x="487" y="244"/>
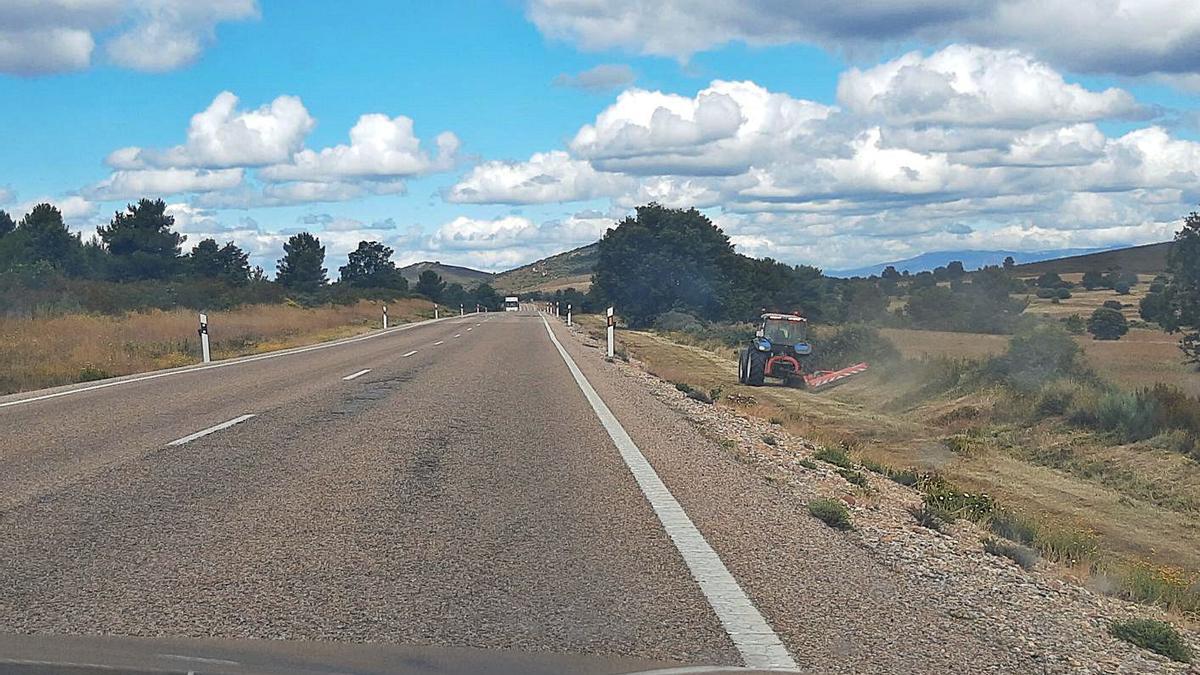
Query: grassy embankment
<point x="50" y="351"/>
<point x="1125" y="517"/>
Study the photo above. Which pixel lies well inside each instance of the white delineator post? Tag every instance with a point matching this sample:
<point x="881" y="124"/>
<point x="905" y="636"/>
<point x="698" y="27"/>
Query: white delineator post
<point x="435" y="311"/>
<point x="568" y="314"/>
<point x="385" y="323"/>
<point x="612" y="323"/>
<point x="204" y="339"/>
<point x="460" y="309"/>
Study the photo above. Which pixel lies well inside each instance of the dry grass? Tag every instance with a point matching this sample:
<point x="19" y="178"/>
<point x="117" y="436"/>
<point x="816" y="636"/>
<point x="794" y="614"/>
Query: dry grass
<point x="45" y="352"/>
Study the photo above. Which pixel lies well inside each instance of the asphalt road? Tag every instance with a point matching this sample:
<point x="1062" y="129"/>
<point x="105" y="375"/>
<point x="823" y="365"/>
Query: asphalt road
<point x="462" y="492"/>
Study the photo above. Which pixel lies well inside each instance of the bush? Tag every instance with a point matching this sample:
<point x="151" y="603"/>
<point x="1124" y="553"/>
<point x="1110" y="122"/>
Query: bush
<point x="808" y="464"/>
<point x="1022" y="555"/>
<point x="1075" y="324"/>
<point x="680" y="322"/>
<point x="835" y="456"/>
<point x="1038" y="352"/>
<point x="1062" y="294"/>
<point x="832" y="512"/>
<point x="1013" y="526"/>
<point x="1168" y="587"/>
<point x="1107" y="324"/>
<point x="1113" y="304"/>
<point x="1159" y="637"/>
<point x="950" y="503"/>
<point x="1122" y="288"/>
<point x="1055" y="398"/>
<point x="1047" y="293"/>
<point x="907" y="477"/>
<point x="927" y="517"/>
<point x="1065" y="544"/>
<point x="853" y="477"/>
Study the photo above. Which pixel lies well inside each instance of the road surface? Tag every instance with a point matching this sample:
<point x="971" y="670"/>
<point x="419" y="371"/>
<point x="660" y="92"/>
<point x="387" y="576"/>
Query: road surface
<point x="444" y="484"/>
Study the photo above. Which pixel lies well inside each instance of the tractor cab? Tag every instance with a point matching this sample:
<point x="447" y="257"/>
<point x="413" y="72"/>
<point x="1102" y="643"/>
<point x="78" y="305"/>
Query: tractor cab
<point x="777" y="350"/>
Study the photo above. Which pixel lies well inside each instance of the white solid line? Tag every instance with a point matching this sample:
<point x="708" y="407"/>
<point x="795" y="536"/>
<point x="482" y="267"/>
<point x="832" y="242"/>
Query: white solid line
<point x="410" y="353"/>
<point x="223" y="425"/>
<point x="360" y="373"/>
<point x="754" y="638"/>
<point x="221" y="364"/>
<point x="439" y="342"/>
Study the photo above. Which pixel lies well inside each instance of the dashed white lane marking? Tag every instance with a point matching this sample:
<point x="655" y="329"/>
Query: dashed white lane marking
<point x="754" y="638"/>
<point x="410" y="353"/>
<point x="360" y="373"/>
<point x="458" y="335"/>
<point x="470" y="328"/>
<point x="199" y="434"/>
<point x="439" y="342"/>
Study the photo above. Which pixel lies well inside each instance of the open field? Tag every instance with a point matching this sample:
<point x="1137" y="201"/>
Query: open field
<point x="45" y="352"/>
<point x="1142" y="503"/>
<point x="1142" y="358"/>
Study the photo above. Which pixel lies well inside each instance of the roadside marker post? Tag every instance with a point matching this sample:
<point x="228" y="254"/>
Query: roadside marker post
<point x="385" y="322"/>
<point x="435" y="311"/>
<point x="612" y="323"/>
<point x="568" y="314"/>
<point x="204" y="339"/>
<point x="461" y="311"/>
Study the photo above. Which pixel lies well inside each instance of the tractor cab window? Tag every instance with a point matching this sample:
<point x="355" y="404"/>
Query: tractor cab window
<point x="785" y="332"/>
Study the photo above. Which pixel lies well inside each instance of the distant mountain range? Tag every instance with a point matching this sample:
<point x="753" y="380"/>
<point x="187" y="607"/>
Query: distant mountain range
<point x="971" y="260"/>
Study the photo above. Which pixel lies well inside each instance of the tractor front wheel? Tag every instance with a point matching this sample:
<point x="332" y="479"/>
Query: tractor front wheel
<point x="756" y="368"/>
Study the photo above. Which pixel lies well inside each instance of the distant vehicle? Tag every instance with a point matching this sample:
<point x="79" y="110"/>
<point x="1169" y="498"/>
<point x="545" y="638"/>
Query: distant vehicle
<point x="512" y="303"/>
<point x="779" y="349"/>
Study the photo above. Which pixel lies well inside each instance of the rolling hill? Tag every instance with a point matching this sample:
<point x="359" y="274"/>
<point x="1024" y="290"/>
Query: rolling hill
<point x="1147" y="259"/>
<point x="452" y="274"/>
<point x="972" y="260"/>
<point x="572" y="269"/>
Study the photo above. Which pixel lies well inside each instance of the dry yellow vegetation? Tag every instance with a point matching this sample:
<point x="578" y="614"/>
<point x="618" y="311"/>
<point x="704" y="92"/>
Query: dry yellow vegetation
<point x="50" y="351"/>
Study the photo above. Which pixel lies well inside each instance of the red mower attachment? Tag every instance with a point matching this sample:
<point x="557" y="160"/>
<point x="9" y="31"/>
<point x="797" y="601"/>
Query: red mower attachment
<point x="823" y="378"/>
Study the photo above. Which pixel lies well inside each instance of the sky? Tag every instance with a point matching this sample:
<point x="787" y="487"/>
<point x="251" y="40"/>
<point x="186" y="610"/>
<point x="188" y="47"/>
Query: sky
<point x="492" y="134"/>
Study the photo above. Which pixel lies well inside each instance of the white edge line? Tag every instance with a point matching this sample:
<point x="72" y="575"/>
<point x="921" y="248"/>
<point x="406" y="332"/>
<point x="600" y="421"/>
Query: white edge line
<point x="223" y="425"/>
<point x="360" y="373"/>
<point x="410" y="353"/>
<point x="755" y="640"/>
<point x="221" y="364"/>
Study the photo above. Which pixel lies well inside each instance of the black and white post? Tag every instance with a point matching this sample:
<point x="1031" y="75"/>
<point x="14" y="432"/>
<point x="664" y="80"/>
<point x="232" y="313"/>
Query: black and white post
<point x="435" y="311"/>
<point x="205" y="354"/>
<point x="461" y="311"/>
<point x="612" y="324"/>
<point x="568" y="314"/>
<point x="385" y="322"/>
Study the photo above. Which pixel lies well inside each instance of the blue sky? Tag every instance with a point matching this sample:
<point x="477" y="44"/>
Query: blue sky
<point x="944" y="134"/>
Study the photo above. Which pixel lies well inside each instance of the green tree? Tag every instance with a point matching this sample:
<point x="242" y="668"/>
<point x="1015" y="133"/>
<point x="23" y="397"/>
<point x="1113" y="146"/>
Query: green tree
<point x="890" y="272"/>
<point x="1050" y="280"/>
<point x="141" y="241"/>
<point x="1093" y="280"/>
<point x="1075" y="324"/>
<point x="42" y="236"/>
<point x="229" y="262"/>
<point x="370" y="266"/>
<point x="6" y="223"/>
<point x="1107" y="324"/>
<point x="487" y="297"/>
<point x="431" y="285"/>
<point x="1009" y="263"/>
<point x="664" y="259"/>
<point x="301" y="267"/>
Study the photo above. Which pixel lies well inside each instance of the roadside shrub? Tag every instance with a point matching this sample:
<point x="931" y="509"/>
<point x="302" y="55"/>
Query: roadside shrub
<point x="1055" y="397"/>
<point x="683" y="387"/>
<point x="1107" y="324"/>
<point x="950" y="503"/>
<point x="927" y="517"/>
<point x="1169" y="587"/>
<point x="697" y="395"/>
<point x="808" y="464"/>
<point x="1159" y="637"/>
<point x="681" y="322"/>
<point x="907" y="477"/>
<point x="91" y="373"/>
<point x="853" y="477"/>
<point x="770" y="440"/>
<point x="835" y="456"/>
<point x="1013" y="526"/>
<point x="1022" y="555"/>
<point x="832" y="512"/>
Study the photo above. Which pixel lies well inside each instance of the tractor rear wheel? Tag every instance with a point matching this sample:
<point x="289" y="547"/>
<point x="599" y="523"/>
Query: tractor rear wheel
<point x="756" y="368"/>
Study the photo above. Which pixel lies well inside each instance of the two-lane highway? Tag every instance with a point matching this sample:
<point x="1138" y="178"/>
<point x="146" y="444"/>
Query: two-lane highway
<point x="447" y="484"/>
